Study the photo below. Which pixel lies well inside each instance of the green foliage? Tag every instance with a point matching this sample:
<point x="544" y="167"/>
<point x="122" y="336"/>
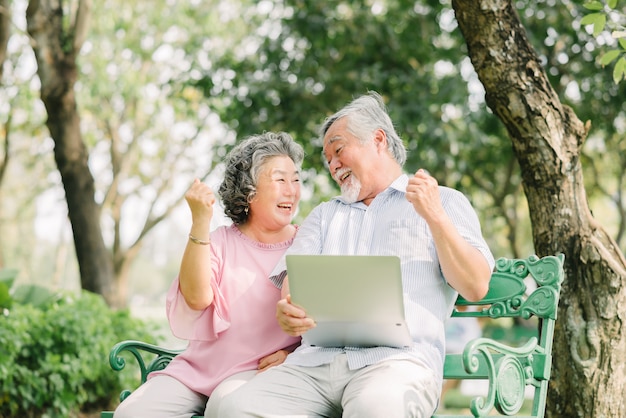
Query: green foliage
<point x="7" y="276"/>
<point x="600" y="20"/>
<point x="33" y="294"/>
<point x="53" y="360"/>
<point x="323" y="53"/>
<point x="326" y="53"/>
<point x="597" y="20"/>
<point x="619" y="71"/>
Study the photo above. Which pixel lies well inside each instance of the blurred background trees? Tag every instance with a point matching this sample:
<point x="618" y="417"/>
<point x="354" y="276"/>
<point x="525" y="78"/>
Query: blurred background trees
<point x="163" y="91"/>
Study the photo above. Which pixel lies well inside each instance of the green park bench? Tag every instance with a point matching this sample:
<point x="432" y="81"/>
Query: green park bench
<point x="508" y="370"/>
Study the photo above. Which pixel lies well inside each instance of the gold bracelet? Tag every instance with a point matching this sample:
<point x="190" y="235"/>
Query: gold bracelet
<point x="198" y="241"/>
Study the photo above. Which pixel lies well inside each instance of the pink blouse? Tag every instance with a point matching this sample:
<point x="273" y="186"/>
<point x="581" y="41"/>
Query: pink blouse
<point x="240" y="327"/>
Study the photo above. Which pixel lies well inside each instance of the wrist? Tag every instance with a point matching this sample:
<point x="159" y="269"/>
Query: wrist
<point x="199" y="241"/>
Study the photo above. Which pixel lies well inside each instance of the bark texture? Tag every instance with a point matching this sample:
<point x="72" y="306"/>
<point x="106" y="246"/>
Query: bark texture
<point x="56" y="45"/>
<point x="547" y="136"/>
<point x="5" y="32"/>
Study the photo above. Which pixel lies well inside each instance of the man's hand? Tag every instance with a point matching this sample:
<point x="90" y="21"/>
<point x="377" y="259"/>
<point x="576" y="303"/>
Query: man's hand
<point x="272" y="360"/>
<point x="292" y="319"/>
<point x="423" y="193"/>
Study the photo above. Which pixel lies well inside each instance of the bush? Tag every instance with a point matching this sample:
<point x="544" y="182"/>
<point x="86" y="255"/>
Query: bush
<point x="54" y="358"/>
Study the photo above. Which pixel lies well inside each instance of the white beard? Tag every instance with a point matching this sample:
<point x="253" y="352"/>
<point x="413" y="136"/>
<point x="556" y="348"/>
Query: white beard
<point x="350" y="190"/>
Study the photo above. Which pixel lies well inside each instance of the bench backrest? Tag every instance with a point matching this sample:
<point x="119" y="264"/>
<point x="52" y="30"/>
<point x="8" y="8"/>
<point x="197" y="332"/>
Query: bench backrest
<point x="519" y="288"/>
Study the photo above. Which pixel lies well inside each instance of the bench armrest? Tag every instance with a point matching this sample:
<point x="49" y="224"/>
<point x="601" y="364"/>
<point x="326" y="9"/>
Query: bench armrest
<point x="508" y="370"/>
<point x="147" y="364"/>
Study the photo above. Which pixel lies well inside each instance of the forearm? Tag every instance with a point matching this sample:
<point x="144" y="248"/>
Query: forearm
<point x="195" y="274"/>
<point x="464" y="266"/>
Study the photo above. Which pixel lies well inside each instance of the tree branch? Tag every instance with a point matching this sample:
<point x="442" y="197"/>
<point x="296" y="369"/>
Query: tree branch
<point x="81" y="24"/>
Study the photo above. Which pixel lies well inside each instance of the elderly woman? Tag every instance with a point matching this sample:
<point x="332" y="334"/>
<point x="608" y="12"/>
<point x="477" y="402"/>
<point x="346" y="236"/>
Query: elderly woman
<point x="222" y="300"/>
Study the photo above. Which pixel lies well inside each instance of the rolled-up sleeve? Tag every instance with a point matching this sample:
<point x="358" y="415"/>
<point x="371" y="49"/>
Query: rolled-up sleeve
<point x="199" y="325"/>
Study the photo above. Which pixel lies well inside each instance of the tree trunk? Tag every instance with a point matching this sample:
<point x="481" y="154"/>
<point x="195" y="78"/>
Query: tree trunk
<point x="590" y="339"/>
<point x="56" y="48"/>
<point x="5" y="32"/>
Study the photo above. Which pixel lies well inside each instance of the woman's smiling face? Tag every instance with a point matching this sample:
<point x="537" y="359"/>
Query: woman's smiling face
<point x="277" y="193"/>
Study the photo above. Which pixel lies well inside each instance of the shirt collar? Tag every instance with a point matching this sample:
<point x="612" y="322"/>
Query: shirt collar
<point x="400" y="183"/>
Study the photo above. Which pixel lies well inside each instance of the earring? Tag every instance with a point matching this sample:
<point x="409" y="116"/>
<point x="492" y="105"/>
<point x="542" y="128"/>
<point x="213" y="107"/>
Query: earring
<point x="246" y="210"/>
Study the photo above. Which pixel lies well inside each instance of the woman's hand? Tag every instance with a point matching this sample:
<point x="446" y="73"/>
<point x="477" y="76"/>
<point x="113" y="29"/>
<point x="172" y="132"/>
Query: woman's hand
<point x="272" y="360"/>
<point x="200" y="199"/>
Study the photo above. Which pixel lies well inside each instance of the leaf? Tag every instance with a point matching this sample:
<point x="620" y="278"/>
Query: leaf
<point x="599" y="26"/>
<point x="609" y="57"/>
<point x="33" y="294"/>
<point x="589" y="19"/>
<point x="5" y="298"/>
<point x="593" y="5"/>
<point x="598" y="20"/>
<point x="622" y="42"/>
<point x="619" y="71"/>
<point x="612" y="4"/>
<point x="7" y="276"/>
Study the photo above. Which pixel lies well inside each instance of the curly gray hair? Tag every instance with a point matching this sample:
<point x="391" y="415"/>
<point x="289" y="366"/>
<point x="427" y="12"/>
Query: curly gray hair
<point x="243" y="166"/>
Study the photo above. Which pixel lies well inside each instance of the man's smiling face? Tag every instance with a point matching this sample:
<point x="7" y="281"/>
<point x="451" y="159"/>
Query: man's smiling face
<point x="349" y="161"/>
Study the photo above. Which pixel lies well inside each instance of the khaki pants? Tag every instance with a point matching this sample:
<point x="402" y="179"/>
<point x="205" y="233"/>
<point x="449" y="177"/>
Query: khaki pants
<point x="165" y="397"/>
<point x="388" y="389"/>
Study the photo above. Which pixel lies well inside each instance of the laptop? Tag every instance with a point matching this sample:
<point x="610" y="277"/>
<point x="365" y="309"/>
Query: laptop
<point x="355" y="300"/>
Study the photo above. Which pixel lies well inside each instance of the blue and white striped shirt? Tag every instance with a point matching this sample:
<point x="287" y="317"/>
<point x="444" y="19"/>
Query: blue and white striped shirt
<point x="390" y="226"/>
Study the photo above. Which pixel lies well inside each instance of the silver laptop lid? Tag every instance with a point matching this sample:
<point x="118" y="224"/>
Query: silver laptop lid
<point x="355" y="300"/>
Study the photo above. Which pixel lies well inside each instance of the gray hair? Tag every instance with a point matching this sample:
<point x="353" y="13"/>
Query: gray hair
<point x="364" y="115"/>
<point x="243" y="167"/>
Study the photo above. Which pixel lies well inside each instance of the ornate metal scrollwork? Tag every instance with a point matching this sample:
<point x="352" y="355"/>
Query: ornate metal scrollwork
<point x="541" y="302"/>
<point x="507" y="374"/>
<point x="510" y="384"/>
<point x="547" y="273"/>
<point x="162" y="359"/>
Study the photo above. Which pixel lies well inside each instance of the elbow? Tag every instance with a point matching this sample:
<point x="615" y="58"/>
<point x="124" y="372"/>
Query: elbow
<point x="477" y="289"/>
<point x="197" y="296"/>
<point x="199" y="303"/>
<point x="476" y="293"/>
